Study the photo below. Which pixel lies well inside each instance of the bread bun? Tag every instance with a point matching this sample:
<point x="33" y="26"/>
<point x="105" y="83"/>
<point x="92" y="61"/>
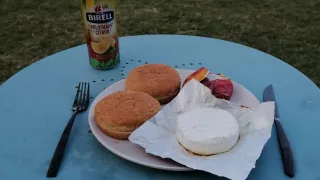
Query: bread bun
<point x="160" y="81"/>
<point x="120" y="113"/>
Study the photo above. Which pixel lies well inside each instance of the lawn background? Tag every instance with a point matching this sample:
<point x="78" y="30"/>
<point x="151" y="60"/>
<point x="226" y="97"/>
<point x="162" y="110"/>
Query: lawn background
<point x="286" y="29"/>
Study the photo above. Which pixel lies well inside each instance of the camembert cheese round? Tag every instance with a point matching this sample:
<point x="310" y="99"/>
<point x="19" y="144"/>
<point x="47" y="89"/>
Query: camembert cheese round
<point x="207" y="131"/>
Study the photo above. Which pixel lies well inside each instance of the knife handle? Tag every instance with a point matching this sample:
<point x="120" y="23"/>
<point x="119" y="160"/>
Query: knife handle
<point x="286" y="150"/>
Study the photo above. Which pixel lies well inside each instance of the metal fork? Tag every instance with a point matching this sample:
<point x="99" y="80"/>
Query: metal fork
<point x="80" y="104"/>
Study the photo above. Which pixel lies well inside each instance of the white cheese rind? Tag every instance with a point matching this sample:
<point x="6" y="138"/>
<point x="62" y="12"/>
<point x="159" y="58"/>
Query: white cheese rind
<point x="207" y="131"/>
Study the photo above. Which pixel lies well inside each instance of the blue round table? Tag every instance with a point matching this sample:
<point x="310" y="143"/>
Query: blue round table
<point x="35" y="105"/>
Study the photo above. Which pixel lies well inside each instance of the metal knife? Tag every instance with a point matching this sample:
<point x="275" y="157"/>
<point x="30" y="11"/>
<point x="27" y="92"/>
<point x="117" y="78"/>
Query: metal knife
<point x="285" y="147"/>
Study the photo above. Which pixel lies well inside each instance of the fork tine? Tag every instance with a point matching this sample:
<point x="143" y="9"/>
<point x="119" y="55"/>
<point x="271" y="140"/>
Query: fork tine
<point x="83" y="98"/>
<point x="88" y="94"/>
<point x="76" y="98"/>
<point x="80" y="96"/>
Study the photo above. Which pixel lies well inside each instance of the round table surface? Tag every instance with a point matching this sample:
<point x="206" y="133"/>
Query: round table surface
<point x="35" y="105"/>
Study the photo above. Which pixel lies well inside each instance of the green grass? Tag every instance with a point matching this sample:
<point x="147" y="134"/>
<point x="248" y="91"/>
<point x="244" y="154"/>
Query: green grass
<point x="287" y="29"/>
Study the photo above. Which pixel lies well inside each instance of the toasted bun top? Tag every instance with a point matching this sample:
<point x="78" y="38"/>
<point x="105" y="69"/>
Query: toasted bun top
<point x="124" y="111"/>
<point x="158" y="80"/>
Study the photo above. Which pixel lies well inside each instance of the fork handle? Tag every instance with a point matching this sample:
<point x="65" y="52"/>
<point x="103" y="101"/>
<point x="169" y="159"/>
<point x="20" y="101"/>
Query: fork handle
<point x="58" y="154"/>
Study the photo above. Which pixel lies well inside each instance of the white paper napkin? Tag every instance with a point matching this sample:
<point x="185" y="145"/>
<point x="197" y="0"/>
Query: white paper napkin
<point x="157" y="135"/>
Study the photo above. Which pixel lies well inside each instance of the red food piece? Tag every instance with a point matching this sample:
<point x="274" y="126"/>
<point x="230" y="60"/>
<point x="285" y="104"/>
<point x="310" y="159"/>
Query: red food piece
<point x="222" y="88"/>
<point x="198" y="75"/>
<point x="207" y="83"/>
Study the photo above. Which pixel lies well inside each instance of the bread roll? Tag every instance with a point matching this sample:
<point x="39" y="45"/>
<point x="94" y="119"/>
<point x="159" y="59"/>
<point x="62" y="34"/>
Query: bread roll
<point x="160" y="81"/>
<point x="120" y="113"/>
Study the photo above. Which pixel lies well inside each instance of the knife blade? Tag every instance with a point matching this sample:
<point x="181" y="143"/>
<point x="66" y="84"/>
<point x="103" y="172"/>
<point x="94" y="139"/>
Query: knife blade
<point x="285" y="147"/>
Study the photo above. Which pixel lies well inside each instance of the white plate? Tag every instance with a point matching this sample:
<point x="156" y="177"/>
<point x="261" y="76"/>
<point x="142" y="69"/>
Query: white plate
<point x="135" y="153"/>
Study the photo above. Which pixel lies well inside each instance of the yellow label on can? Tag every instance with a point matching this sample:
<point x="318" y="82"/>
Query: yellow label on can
<point x="101" y="33"/>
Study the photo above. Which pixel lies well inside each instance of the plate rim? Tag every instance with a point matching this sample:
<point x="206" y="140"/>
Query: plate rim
<point x="124" y="156"/>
